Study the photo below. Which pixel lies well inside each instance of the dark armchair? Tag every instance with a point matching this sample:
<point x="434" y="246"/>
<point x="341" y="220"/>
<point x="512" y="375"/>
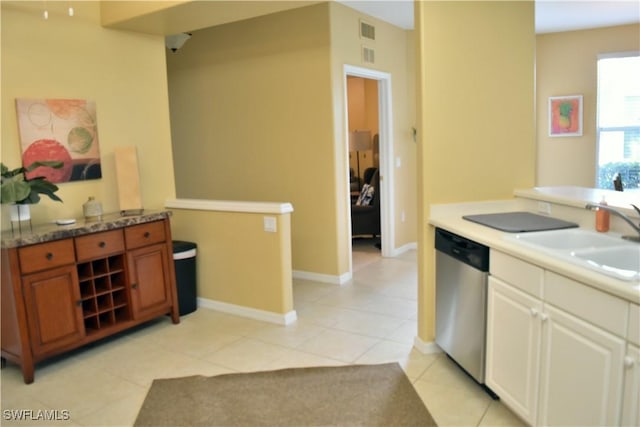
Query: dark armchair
<point x="354" y="181"/>
<point x="365" y="220"/>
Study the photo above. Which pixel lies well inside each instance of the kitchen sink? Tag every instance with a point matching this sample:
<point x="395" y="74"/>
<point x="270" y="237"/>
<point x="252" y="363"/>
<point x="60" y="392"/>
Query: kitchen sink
<point x="603" y="253"/>
<point x="574" y="238"/>
<point x="618" y="261"/>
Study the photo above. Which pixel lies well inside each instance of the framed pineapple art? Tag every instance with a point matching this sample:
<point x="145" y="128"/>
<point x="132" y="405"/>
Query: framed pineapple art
<point x="565" y="115"/>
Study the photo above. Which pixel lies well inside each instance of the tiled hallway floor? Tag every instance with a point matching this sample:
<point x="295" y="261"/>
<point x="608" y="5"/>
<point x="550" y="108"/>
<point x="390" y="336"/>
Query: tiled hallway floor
<point x="372" y="319"/>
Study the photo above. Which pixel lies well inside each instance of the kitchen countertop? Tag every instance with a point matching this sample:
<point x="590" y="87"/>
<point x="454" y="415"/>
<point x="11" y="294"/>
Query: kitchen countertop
<point x="450" y="218"/>
<point x="579" y="196"/>
<point x="51" y="231"/>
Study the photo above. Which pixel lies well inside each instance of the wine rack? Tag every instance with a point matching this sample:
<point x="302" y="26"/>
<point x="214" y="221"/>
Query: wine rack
<point x="103" y="293"/>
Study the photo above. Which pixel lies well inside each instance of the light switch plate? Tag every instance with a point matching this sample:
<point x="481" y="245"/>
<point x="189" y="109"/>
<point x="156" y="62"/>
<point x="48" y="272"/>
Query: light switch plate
<point x="544" y="207"/>
<point x="270" y="224"/>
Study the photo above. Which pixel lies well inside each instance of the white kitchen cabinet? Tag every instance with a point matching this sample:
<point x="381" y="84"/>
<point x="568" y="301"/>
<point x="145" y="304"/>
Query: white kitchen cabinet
<point x="631" y="396"/>
<point x="580" y="372"/>
<point x="552" y="356"/>
<point x="513" y="347"/>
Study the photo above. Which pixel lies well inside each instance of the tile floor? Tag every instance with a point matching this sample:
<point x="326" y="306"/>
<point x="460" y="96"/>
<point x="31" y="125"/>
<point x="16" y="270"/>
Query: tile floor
<point x="372" y="319"/>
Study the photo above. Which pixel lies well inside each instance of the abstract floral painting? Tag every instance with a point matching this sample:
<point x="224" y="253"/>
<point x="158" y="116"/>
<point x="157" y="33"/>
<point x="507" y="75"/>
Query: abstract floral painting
<point x="64" y="130"/>
<point x="565" y="115"/>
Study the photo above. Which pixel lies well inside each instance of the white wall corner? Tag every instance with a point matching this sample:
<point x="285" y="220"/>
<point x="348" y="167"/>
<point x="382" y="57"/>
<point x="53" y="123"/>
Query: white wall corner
<point x="425" y="347"/>
<point x="404" y="248"/>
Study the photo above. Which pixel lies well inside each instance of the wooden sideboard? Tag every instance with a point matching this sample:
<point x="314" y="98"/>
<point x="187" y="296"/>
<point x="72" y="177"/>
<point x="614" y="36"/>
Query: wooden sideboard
<point x="65" y="287"/>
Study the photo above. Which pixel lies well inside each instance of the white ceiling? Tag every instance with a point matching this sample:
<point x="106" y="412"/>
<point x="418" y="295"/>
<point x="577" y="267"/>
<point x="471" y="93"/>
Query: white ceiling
<point x="551" y="16"/>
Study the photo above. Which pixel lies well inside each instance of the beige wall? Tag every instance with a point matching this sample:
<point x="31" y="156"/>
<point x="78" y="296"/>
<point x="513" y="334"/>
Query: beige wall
<point x="566" y="64"/>
<point x="394" y="57"/>
<point x="356" y="106"/>
<point x="238" y="262"/>
<point x="251" y="120"/>
<point x="371" y="105"/>
<point x="476" y="114"/>
<point x="171" y="17"/>
<point x="257" y="111"/>
<point x="123" y="72"/>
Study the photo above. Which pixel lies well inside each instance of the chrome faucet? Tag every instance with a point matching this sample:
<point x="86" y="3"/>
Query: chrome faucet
<point x="595" y="207"/>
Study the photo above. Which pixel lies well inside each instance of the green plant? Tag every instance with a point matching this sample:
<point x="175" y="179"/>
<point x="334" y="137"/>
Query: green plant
<point x="17" y="188"/>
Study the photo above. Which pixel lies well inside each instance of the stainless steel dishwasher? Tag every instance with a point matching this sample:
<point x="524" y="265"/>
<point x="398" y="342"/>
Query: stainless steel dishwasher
<point x="462" y="267"/>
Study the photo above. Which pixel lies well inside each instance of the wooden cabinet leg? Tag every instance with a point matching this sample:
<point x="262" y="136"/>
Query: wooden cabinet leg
<point x="175" y="315"/>
<point x="27" y="374"/>
<point x="28" y="369"/>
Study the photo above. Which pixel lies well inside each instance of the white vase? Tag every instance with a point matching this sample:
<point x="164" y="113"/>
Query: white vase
<point x="20" y="213"/>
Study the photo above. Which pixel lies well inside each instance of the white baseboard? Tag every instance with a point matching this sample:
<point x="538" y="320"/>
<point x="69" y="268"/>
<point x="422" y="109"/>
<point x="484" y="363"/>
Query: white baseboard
<point x="425" y="347"/>
<point x="251" y="313"/>
<point x="405" y="248"/>
<point x="344" y="278"/>
<point x="324" y="278"/>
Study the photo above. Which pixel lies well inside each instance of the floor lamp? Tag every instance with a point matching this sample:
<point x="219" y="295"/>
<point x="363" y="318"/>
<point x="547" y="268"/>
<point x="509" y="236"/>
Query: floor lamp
<point x="359" y="140"/>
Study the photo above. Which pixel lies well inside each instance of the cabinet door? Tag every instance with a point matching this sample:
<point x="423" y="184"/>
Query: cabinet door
<point x="513" y="342"/>
<point x="631" y="397"/>
<point x="581" y="372"/>
<point x="54" y="309"/>
<point x="149" y="280"/>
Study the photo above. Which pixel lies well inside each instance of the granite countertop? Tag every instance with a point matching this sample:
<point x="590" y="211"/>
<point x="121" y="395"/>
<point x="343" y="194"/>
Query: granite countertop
<point x="51" y="231"/>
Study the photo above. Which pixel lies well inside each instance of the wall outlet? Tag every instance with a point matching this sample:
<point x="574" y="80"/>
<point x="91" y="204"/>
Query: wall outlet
<point x="270" y="224"/>
<point x="544" y="207"/>
<point x="402" y="217"/>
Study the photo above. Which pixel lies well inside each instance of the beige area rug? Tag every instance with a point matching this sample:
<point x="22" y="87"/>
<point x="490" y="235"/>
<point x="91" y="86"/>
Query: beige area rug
<point x="356" y="395"/>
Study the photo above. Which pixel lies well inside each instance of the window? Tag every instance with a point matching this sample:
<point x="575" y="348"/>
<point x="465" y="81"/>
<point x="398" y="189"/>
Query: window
<point x="618" y="128"/>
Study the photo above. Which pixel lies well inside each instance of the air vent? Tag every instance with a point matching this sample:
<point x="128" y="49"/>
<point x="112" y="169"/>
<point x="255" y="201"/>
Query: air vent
<point x="367" y="31"/>
<point x="368" y="55"/>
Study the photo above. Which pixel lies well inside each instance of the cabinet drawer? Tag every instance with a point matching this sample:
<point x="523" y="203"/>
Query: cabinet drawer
<point x="527" y="277"/>
<point x="99" y="245"/>
<point x="144" y="234"/>
<point x="46" y="255"/>
<point x="601" y="309"/>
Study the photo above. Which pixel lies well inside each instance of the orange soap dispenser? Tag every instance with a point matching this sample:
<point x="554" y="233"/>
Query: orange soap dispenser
<point x="602" y="218"/>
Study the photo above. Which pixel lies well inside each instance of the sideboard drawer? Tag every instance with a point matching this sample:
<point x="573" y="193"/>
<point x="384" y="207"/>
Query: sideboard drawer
<point x="99" y="245"/>
<point x="46" y="255"/>
<point x="140" y="235"/>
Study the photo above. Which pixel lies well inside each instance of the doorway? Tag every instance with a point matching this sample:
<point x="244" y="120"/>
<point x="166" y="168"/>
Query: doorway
<point x="383" y="153"/>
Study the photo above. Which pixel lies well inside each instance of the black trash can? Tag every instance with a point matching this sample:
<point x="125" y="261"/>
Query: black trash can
<point x="184" y="258"/>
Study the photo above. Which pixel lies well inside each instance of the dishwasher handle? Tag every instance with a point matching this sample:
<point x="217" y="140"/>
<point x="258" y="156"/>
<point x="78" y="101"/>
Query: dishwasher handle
<point x="465" y="250"/>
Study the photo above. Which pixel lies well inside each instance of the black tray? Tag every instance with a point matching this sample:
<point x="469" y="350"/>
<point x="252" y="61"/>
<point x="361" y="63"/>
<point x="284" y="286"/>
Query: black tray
<point x="520" y="222"/>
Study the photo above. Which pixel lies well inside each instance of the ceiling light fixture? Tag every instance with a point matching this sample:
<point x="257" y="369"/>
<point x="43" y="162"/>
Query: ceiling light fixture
<point x="176" y="41"/>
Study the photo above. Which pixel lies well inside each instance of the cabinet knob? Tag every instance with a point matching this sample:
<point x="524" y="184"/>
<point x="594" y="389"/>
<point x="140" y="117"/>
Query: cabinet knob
<point x="49" y="256"/>
<point x="146" y="234"/>
<point x="629" y="362"/>
<point x="102" y="244"/>
<point x="79" y="302"/>
<point x="534" y="312"/>
<point x="544" y="317"/>
<point x="134" y="286"/>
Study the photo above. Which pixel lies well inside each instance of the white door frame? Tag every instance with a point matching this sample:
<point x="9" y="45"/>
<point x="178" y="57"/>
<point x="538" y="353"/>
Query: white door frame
<point x="385" y="132"/>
